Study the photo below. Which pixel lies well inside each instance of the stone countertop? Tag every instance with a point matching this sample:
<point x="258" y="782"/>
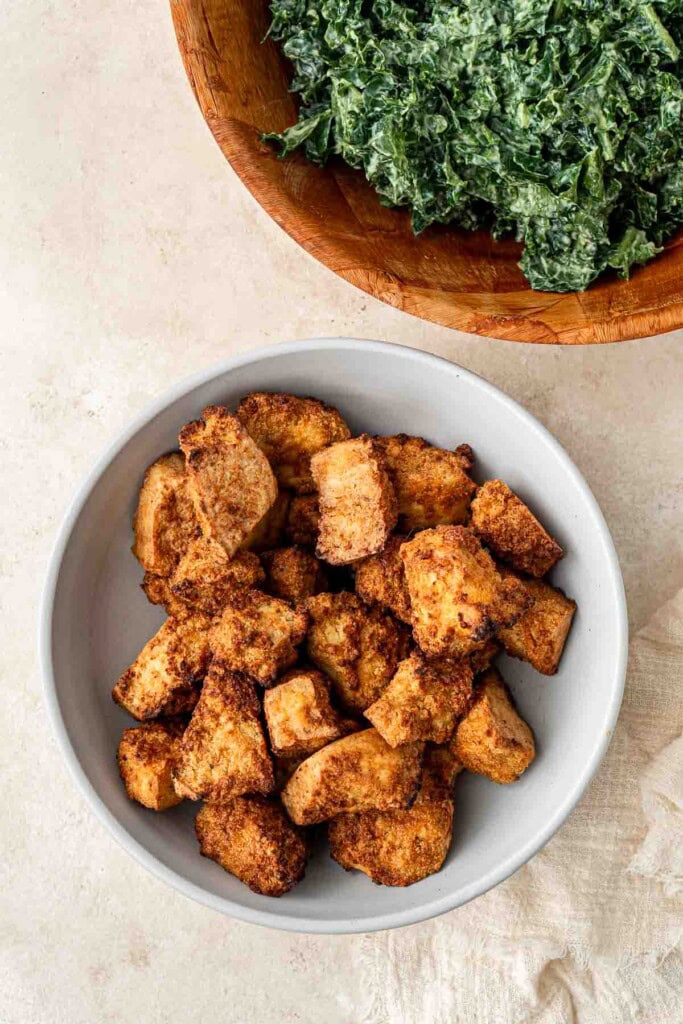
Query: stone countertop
<point x="131" y="256"/>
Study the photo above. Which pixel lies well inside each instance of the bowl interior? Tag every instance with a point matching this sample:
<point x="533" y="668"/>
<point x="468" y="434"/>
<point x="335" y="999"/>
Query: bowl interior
<point x="101" y="619"/>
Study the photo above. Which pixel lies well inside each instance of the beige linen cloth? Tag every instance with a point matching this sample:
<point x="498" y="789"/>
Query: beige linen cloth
<point x="589" y="931"/>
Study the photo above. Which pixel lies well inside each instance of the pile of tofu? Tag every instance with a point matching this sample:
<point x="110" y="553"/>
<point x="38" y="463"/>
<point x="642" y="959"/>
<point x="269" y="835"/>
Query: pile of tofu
<point x="334" y="606"/>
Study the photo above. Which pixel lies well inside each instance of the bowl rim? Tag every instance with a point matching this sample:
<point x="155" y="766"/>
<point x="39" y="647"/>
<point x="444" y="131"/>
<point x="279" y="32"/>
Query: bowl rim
<point x="126" y="840"/>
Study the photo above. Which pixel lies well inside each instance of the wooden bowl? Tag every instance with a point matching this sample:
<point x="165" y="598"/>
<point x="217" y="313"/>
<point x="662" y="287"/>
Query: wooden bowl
<point x="456" y="278"/>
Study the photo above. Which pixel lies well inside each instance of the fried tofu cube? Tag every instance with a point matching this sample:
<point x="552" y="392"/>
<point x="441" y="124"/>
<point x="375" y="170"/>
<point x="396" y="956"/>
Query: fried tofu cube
<point x="423" y="701"/>
<point x="252" y="838"/>
<point x="258" y="635"/>
<point x="163" y="678"/>
<point x="356" y="500"/>
<point x="223" y="752"/>
<point x="206" y="578"/>
<point x="231" y="482"/>
<point x="299" y="715"/>
<point x="541" y="633"/>
<point x="511" y="530"/>
<point x="164" y="522"/>
<point x="380" y="579"/>
<point x="492" y="739"/>
<point x="146" y="757"/>
<point x="456" y="594"/>
<point x="293" y="574"/>
<point x="359" y="648"/>
<point x="355" y="773"/>
<point x="303" y="521"/>
<point x="158" y="591"/>
<point x="269" y="531"/>
<point x="290" y="430"/>
<point x="432" y="486"/>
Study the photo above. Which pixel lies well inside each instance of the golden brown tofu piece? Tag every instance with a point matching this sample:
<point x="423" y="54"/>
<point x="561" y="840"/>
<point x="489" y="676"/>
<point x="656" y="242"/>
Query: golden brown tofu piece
<point x="355" y="773"/>
<point x="400" y="847"/>
<point x="303" y="520"/>
<point x="456" y="594"/>
<point x="380" y="579"/>
<point x="512" y="531"/>
<point x="268" y="533"/>
<point x="164" y="521"/>
<point x="146" y="757"/>
<point x="299" y="715"/>
<point x="359" y="648"/>
<point x="206" y="578"/>
<point x="293" y="574"/>
<point x="432" y="486"/>
<point x="231" y="482"/>
<point x="158" y="591"/>
<point x="492" y="739"/>
<point x="541" y="633"/>
<point x="356" y="500"/>
<point x="258" y="634"/>
<point x="223" y="752"/>
<point x="162" y="679"/>
<point x="252" y="838"/>
<point x="290" y="430"/>
<point x="423" y="701"/>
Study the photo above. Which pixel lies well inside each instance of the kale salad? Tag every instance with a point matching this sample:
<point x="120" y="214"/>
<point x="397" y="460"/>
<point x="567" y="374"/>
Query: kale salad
<point x="558" y="121"/>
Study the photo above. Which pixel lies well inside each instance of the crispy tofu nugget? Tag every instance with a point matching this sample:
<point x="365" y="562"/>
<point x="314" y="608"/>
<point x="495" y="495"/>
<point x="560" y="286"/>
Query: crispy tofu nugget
<point x="164" y="521"/>
<point x="492" y="739"/>
<point x="303" y="520"/>
<point x="231" y="482"/>
<point x="432" y="486"/>
<point x="223" y="752"/>
<point x="269" y="532"/>
<point x="258" y="634"/>
<point x="457" y="596"/>
<point x="146" y="757"/>
<point x="162" y="679"/>
<point x="158" y="591"/>
<point x="356" y="500"/>
<point x="512" y="531"/>
<point x="290" y="430"/>
<point x="423" y="701"/>
<point x="299" y="715"/>
<point x="355" y="773"/>
<point x="205" y="577"/>
<point x="252" y="838"/>
<point x="380" y="579"/>
<point x="401" y="847"/>
<point x="541" y="633"/>
<point x="293" y="574"/>
<point x="359" y="648"/>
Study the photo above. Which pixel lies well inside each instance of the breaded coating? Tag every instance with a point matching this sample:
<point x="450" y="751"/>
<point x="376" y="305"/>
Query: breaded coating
<point x="512" y="531"/>
<point x="492" y="739"/>
<point x="252" y="838"/>
<point x="258" y="634"/>
<point x="146" y="757"/>
<point x="205" y="577"/>
<point x="401" y="847"/>
<point x="356" y="500"/>
<point x="293" y="574"/>
<point x="231" y="482"/>
<point x="483" y="653"/>
<point x="355" y="773"/>
<point x="162" y="679"/>
<point x="158" y="591"/>
<point x="164" y="522"/>
<point x="303" y="521"/>
<point x="541" y="633"/>
<point x="359" y="648"/>
<point x="432" y="486"/>
<point x="269" y="532"/>
<point x="423" y="701"/>
<point x="223" y="752"/>
<point x="299" y="715"/>
<point x="290" y="430"/>
<point x="457" y="596"/>
<point x="380" y="579"/>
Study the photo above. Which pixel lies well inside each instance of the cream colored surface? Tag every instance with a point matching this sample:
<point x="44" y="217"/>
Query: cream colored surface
<point x="129" y="257"/>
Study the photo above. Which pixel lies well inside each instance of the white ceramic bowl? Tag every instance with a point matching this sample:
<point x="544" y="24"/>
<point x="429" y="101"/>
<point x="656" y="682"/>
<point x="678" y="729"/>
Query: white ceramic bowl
<point x="95" y="619"/>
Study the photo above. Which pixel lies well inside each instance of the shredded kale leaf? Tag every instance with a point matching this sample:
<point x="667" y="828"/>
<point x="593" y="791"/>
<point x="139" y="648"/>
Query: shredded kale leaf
<point x="556" y="120"/>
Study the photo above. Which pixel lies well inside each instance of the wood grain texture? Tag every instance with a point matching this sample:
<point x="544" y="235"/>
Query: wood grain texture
<point x="456" y="278"/>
